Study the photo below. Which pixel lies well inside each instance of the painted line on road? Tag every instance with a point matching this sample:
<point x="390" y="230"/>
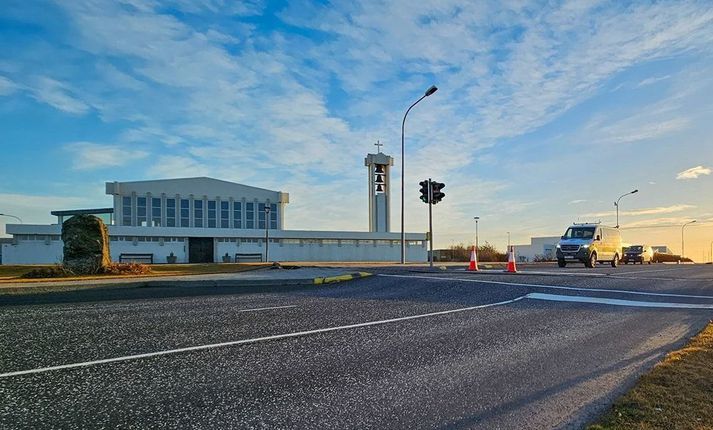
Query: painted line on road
<point x="603" y="275"/>
<point x="584" y="275"/>
<point x="255" y="340"/>
<point x="267" y="309"/>
<point x="556" y="287"/>
<point x="646" y="271"/>
<point x="615" y="302"/>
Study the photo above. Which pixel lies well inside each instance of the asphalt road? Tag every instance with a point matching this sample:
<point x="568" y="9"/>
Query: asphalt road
<point x="406" y="349"/>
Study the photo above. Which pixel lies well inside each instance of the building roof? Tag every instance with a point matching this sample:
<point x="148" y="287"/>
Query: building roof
<point x="201" y="185"/>
<point x="71" y="212"/>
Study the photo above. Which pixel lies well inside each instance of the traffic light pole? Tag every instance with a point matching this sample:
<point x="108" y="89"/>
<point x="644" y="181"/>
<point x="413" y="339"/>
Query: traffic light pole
<point x="430" y="222"/>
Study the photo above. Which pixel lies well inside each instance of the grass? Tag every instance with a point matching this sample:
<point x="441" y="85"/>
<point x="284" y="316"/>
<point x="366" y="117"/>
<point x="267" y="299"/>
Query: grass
<point x="676" y="394"/>
<point x="12" y="273"/>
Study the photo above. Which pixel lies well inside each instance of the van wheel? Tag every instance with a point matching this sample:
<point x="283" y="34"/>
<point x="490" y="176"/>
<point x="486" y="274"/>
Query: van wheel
<point x="592" y="260"/>
<point x="561" y="263"/>
<point x="615" y="261"/>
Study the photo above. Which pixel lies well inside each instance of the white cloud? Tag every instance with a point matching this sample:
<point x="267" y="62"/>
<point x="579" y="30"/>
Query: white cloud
<point x="175" y="166"/>
<point x="647" y="211"/>
<point x="7" y="87"/>
<point x="88" y="155"/>
<point x="693" y="172"/>
<point x="652" y="80"/>
<point x="665" y="222"/>
<point x="57" y="95"/>
<point x="34" y="208"/>
<point x="574" y="202"/>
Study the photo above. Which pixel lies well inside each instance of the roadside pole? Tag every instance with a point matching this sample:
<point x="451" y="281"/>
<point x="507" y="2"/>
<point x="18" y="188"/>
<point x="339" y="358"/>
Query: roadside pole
<point x="267" y="235"/>
<point x="430" y="223"/>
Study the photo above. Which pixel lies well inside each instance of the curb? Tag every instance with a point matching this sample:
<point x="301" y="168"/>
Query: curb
<point x="341" y="278"/>
<point x="197" y="283"/>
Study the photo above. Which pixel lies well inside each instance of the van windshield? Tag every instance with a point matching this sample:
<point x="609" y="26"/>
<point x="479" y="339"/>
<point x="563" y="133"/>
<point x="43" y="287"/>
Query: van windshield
<point x="579" y="233"/>
<point x="636" y="249"/>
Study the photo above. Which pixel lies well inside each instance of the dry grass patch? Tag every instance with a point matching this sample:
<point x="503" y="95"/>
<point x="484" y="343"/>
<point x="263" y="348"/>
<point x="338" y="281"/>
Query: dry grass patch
<point x="676" y="394"/>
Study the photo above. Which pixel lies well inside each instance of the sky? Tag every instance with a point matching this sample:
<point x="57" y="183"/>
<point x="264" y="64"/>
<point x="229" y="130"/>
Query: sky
<point x="546" y="112"/>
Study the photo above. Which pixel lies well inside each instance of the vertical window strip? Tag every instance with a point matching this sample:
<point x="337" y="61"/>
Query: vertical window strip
<point x="224" y="214"/>
<point x="170" y="212"/>
<point x="126" y="210"/>
<point x="156" y="211"/>
<point x="237" y="215"/>
<point x="141" y="211"/>
<point x="198" y="213"/>
<point x="185" y="213"/>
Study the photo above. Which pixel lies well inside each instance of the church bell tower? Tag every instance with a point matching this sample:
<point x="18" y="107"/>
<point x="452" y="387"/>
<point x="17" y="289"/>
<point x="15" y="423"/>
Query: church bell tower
<point x="379" y="170"/>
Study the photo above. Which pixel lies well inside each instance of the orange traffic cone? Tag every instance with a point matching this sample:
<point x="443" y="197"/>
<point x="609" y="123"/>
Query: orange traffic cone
<point x="473" y="261"/>
<point x="511" y="260"/>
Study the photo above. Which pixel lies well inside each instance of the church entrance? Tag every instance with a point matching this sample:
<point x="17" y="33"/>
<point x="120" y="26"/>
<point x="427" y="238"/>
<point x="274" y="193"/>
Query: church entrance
<point x="200" y="250"/>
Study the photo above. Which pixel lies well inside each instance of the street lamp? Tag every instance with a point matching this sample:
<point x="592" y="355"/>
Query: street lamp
<point x="682" y="248"/>
<point x="432" y="89"/>
<point x="616" y="204"/>
<point x="267" y="225"/>
<point x="13" y="216"/>
<point x="476" y="218"/>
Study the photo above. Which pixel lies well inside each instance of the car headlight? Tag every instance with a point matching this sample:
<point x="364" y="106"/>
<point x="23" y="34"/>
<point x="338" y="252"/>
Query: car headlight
<point x="558" y="246"/>
<point x="585" y="246"/>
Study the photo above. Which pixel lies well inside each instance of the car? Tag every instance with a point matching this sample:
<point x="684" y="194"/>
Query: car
<point x="589" y="243"/>
<point x="638" y="254"/>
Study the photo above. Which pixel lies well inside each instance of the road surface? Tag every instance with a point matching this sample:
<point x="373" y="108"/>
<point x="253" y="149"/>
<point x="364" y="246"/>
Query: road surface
<point x="551" y="348"/>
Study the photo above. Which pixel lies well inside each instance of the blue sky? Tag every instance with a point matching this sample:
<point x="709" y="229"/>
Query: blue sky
<point x="546" y="111"/>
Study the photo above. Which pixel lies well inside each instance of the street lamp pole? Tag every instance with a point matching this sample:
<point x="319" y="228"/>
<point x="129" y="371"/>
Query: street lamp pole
<point x="616" y="204"/>
<point x="13" y="216"/>
<point x="683" y="253"/>
<point x="508" y="241"/>
<point x="476" y="218"/>
<point x="267" y="236"/>
<point x="432" y="89"/>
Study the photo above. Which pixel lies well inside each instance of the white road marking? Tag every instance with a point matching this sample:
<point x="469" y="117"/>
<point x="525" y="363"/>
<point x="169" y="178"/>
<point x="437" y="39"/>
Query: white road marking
<point x="255" y="340"/>
<point x="555" y="287"/>
<point x="590" y="274"/>
<point x="267" y="309"/>
<point x="615" y="302"/>
<point x="647" y="271"/>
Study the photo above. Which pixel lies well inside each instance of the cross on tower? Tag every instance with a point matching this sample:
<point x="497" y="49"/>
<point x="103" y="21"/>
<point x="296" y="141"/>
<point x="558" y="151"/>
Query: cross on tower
<point x="378" y="146"/>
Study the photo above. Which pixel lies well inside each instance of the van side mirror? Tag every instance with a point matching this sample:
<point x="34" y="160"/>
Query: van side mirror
<point x="598" y="237"/>
<point x="562" y="237"/>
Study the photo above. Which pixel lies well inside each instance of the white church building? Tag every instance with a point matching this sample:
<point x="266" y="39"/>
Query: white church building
<point x="198" y="220"/>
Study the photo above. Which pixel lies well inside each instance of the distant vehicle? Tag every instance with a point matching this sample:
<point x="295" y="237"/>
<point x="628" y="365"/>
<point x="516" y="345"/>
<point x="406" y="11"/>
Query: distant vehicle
<point x="589" y="244"/>
<point x="638" y="254"/>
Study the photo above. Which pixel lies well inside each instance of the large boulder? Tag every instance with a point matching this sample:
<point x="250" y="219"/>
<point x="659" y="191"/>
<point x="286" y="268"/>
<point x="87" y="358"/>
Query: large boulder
<point x="86" y="244"/>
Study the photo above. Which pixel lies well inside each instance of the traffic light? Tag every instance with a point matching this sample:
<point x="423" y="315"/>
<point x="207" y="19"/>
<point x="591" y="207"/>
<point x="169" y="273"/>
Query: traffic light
<point x="424" y="191"/>
<point x="436" y="193"/>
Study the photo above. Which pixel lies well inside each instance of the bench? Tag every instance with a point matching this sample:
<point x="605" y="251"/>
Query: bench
<point x="136" y="258"/>
<point x="248" y="257"/>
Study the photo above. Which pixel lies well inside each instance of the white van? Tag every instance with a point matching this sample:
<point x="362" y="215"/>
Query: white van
<point x="589" y="244"/>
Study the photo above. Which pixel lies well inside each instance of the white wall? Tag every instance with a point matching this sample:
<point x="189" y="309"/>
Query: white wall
<point x="325" y="252"/>
<point x="32" y="252"/>
<point x="538" y="247"/>
<point x="38" y="252"/>
<point x="160" y="252"/>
